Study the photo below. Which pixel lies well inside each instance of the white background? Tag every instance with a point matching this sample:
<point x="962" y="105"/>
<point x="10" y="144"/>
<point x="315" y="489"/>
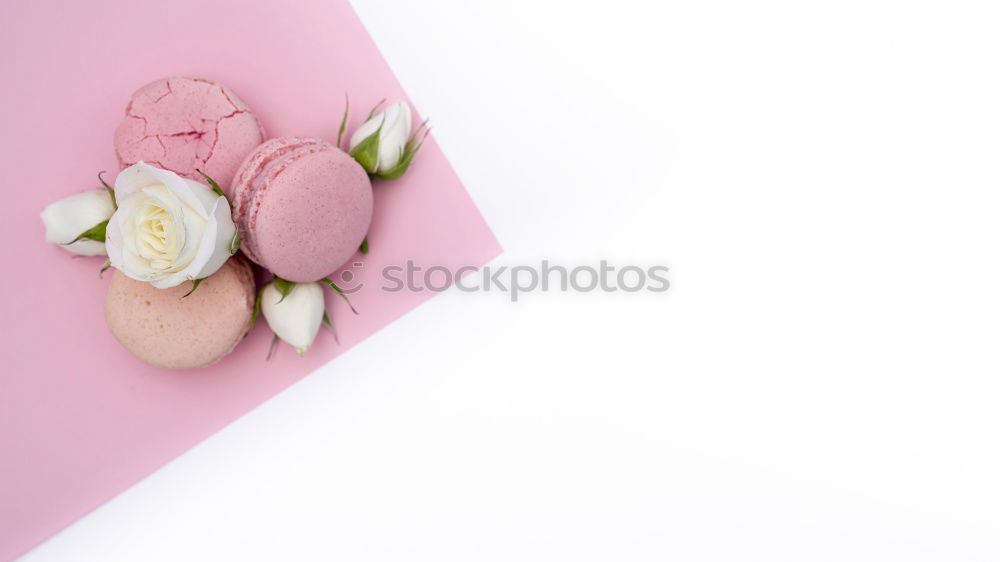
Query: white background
<point x="820" y="382"/>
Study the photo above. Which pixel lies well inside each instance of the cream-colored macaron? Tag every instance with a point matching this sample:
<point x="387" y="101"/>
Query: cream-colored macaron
<point x="168" y="330"/>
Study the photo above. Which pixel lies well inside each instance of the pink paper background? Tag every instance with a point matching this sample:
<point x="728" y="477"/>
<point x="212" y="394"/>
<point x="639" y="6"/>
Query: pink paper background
<point x="80" y="419"/>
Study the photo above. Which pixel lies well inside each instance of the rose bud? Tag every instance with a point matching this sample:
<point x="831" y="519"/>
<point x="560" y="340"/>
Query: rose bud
<point x="294" y="311"/>
<point x="168" y="229"/>
<point x="78" y="222"/>
<point x="383" y="144"/>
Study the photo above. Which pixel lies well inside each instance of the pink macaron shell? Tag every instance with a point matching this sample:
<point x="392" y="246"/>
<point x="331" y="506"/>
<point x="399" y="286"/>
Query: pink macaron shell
<point x="310" y="211"/>
<point x="241" y="190"/>
<point x="186" y="124"/>
<point x="168" y="330"/>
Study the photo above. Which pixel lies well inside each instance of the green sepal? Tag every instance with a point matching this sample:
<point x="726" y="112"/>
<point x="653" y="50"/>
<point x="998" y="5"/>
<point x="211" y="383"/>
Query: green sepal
<point x="411" y="148"/>
<point x="364" y="246"/>
<point x="413" y="136"/>
<point x="270" y="350"/>
<point x="366" y="152"/>
<point x="111" y="192"/>
<point x="374" y="109"/>
<point x="343" y="122"/>
<point x="340" y="292"/>
<point x="214" y="184"/>
<point x="284" y="287"/>
<point x="400" y="168"/>
<point x="107" y="264"/>
<point x="234" y="244"/>
<point x="329" y="324"/>
<point x="256" y="308"/>
<point x="194" y="286"/>
<point x="96" y="233"/>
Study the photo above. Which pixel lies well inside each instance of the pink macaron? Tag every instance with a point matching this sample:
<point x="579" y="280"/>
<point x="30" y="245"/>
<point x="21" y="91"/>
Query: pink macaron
<point x="186" y="124"/>
<point x="302" y="206"/>
<point x="168" y="330"/>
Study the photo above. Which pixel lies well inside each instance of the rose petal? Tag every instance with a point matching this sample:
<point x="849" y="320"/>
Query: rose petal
<point x="141" y="175"/>
<point x="295" y="318"/>
<point x="213" y="250"/>
<point x="133" y="179"/>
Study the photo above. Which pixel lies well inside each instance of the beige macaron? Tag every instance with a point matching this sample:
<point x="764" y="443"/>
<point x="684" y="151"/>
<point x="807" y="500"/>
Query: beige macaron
<point x="168" y="330"/>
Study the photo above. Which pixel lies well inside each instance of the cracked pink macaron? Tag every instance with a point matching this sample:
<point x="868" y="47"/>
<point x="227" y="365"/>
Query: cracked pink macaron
<point x="302" y="206"/>
<point x="185" y="124"/>
<point x="168" y="330"/>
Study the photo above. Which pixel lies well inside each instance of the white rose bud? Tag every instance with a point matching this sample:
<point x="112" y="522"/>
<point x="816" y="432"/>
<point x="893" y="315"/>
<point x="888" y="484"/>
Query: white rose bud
<point x="388" y="153"/>
<point x="295" y="315"/>
<point x="66" y="219"/>
<point x="168" y="229"/>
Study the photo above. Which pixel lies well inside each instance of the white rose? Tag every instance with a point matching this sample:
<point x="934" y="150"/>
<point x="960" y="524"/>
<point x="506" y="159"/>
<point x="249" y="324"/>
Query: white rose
<point x="393" y="126"/>
<point x="295" y="317"/>
<point x="68" y="218"/>
<point x="167" y="229"/>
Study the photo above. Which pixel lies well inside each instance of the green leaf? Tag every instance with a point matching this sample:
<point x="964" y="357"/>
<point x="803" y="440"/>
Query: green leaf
<point x="194" y="286"/>
<point x="95" y="233"/>
<point x="340" y="292"/>
<point x="364" y="246"/>
<point x="107" y="264"/>
<point x="234" y="244"/>
<point x="213" y="183"/>
<point x="366" y="152"/>
<point x="284" y="287"/>
<point x="343" y="122"/>
<point x="111" y="192"/>
<point x="256" y="308"/>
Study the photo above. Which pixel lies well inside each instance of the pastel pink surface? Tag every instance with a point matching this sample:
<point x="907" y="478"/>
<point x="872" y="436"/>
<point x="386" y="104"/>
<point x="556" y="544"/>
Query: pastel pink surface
<point x="303" y="206"/>
<point x="80" y="418"/>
